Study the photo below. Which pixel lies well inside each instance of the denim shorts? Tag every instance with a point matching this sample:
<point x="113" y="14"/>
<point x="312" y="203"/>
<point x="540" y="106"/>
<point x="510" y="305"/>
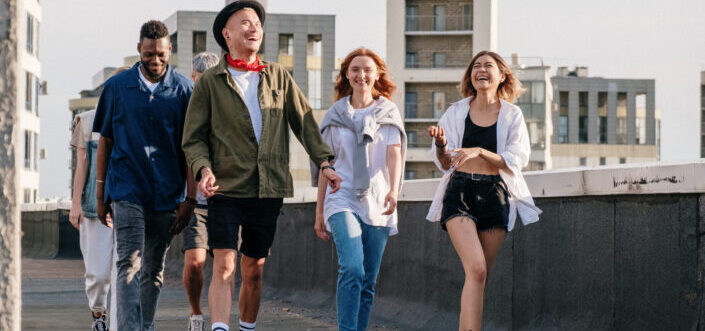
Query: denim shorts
<point x="196" y="234"/>
<point x="482" y="198"/>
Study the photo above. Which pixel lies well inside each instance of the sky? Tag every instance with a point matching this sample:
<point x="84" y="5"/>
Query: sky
<point x="645" y="39"/>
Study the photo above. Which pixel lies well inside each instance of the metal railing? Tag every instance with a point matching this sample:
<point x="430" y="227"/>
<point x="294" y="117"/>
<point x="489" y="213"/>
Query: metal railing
<point x="439" y="23"/>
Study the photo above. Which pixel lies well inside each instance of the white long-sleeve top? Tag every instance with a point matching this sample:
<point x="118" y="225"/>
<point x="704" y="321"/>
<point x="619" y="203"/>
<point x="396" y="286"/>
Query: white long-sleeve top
<point x="512" y="144"/>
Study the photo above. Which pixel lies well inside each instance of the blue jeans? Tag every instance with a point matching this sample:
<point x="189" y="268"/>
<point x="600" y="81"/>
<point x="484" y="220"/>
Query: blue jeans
<point x="142" y="239"/>
<point x="360" y="247"/>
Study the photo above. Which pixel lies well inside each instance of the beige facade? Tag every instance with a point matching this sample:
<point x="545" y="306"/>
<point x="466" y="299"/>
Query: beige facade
<point x="30" y="87"/>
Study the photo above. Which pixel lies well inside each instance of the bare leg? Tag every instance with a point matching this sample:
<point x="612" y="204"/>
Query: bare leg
<point x="251" y="288"/>
<point x="491" y="243"/>
<point x="220" y="294"/>
<point x="194" y="260"/>
<point x="463" y="235"/>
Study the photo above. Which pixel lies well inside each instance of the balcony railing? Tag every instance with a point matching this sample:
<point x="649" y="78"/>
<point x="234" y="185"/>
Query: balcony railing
<point x="447" y="23"/>
<point x="424" y="110"/>
<point x="438" y="59"/>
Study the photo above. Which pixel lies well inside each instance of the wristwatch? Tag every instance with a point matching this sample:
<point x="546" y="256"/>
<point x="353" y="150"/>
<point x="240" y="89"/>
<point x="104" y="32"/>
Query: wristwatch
<point x="327" y="167"/>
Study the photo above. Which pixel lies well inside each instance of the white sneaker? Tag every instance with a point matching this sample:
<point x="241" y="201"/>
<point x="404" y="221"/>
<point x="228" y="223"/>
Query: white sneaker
<point x="195" y="323"/>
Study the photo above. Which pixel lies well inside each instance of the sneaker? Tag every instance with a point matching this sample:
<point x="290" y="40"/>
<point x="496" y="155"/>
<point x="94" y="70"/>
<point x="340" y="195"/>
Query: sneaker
<point x="99" y="323"/>
<point x="195" y="323"/>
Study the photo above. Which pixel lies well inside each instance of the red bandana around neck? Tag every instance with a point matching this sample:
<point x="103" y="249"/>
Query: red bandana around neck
<point x="240" y="64"/>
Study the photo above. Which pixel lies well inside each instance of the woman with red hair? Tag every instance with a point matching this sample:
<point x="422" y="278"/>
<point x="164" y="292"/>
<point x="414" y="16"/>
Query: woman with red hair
<point x="481" y="144"/>
<point x="365" y="132"/>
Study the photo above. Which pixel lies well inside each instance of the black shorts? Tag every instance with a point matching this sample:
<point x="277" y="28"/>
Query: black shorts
<point x="482" y="198"/>
<point x="258" y="218"/>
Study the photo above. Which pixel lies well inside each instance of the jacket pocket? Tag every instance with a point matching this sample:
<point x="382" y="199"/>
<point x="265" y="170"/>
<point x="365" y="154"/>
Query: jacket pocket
<point x="278" y="175"/>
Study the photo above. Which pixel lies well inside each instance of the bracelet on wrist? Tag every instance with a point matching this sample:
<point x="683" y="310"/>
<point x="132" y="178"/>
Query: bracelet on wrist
<point x="328" y="166"/>
<point x="441" y="146"/>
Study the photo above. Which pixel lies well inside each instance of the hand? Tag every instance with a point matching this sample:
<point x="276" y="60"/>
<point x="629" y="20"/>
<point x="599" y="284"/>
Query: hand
<point x="320" y="227"/>
<point x="390" y="202"/>
<point x="104" y="212"/>
<point x="460" y="155"/>
<point x="183" y="216"/>
<point x="333" y="179"/>
<point x="76" y="214"/>
<point x="438" y="134"/>
<point x="207" y="184"/>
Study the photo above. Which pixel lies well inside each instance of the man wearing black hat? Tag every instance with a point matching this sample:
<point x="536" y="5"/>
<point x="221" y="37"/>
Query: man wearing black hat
<point x="236" y="141"/>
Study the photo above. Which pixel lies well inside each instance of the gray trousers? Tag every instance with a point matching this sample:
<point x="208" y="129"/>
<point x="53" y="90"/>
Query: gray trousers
<point x="142" y="239"/>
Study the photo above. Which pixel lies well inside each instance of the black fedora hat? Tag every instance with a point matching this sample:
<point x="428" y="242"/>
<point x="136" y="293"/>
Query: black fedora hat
<point x="228" y="11"/>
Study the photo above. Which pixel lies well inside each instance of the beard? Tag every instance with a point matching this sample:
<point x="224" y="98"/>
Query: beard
<point x="153" y="75"/>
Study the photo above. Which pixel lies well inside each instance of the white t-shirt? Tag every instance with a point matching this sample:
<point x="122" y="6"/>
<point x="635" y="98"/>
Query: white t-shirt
<point x="342" y="142"/>
<point x="151" y="86"/>
<point x="247" y="82"/>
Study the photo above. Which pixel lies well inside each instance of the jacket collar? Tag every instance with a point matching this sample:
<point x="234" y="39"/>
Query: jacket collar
<point x="167" y="81"/>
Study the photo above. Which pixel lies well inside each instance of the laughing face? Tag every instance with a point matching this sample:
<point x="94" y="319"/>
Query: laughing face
<point x="362" y="73"/>
<point x="154" y="55"/>
<point x="243" y="32"/>
<point x="485" y="74"/>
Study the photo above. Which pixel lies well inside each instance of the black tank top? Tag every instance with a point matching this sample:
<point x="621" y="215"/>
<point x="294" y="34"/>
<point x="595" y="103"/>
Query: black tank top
<point x="480" y="136"/>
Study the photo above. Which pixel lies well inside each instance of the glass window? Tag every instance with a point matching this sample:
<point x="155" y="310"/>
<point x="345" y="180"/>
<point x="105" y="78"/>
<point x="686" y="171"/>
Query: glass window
<point x="174" y="42"/>
<point x="199" y="42"/>
<point x="640" y="118"/>
<point x="410" y="105"/>
<point x="35" y="149"/>
<point x="412" y="18"/>
<point x="286" y="44"/>
<point x="603" y="160"/>
<point x="439" y="18"/>
<point x="314" y="88"/>
<point x="27" y="149"/>
<point x="538" y="90"/>
<point x="467" y="17"/>
<point x="439" y="60"/>
<point x="30" y="34"/>
<point x="37" y="88"/>
<point x="412" y="60"/>
<point x="583" y="161"/>
<point x="583" y="117"/>
<point x="602" y="116"/>
<point x="27" y="195"/>
<point x="29" y="87"/>
<point x="410" y="174"/>
<point x="411" y="138"/>
<point x="439" y="104"/>
<point x="622" y="160"/>
<point x="621" y="118"/>
<point x="563" y="117"/>
<point x="314" y="47"/>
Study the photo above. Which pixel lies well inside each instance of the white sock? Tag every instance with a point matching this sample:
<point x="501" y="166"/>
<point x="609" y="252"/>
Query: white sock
<point x="244" y="326"/>
<point x="220" y="325"/>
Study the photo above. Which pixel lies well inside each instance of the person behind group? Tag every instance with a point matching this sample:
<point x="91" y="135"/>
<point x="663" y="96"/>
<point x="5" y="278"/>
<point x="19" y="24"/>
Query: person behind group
<point x="365" y="131"/>
<point x="140" y="117"/>
<point x="236" y="141"/>
<point x="195" y="234"/>
<point x="95" y="239"/>
<point x="481" y="144"/>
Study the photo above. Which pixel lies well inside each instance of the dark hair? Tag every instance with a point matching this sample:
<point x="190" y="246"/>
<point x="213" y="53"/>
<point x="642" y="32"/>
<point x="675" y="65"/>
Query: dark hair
<point x="508" y="90"/>
<point x="382" y="87"/>
<point x="153" y="30"/>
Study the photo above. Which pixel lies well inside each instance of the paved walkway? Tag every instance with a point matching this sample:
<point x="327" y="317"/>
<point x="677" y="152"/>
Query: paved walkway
<point x="53" y="298"/>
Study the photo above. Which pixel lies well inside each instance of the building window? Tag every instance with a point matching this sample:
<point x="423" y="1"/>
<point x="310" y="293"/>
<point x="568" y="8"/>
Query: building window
<point x="410" y="105"/>
<point x="467" y="17"/>
<point x="27" y="195"/>
<point x="410" y="174"/>
<point x="314" y="88"/>
<point x="582" y="117"/>
<point x="583" y="161"/>
<point x="174" y="42"/>
<point x="412" y="18"/>
<point x="411" y="139"/>
<point x="538" y="90"/>
<point x="30" y="34"/>
<point x="35" y="149"/>
<point x="622" y="160"/>
<point x="199" y="42"/>
<point x="29" y="89"/>
<point x="603" y="160"/>
<point x="439" y="60"/>
<point x="439" y="103"/>
<point x="439" y="18"/>
<point x="286" y="44"/>
<point x="37" y="89"/>
<point x="412" y="60"/>
<point x="436" y="174"/>
<point x="641" y="118"/>
<point x="537" y="133"/>
<point x="563" y="118"/>
<point x="27" y="149"/>
<point x="602" y="116"/>
<point x="621" y="118"/>
<point x="314" y="47"/>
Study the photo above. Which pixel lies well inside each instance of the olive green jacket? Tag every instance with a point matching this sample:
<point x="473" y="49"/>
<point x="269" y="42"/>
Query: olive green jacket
<point x="218" y="133"/>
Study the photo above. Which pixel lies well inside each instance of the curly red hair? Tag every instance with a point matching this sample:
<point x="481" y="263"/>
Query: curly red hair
<point x="382" y="87"/>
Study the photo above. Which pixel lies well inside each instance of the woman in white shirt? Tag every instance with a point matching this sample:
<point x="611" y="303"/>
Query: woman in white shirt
<point x="365" y="132"/>
<point x="481" y="144"/>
